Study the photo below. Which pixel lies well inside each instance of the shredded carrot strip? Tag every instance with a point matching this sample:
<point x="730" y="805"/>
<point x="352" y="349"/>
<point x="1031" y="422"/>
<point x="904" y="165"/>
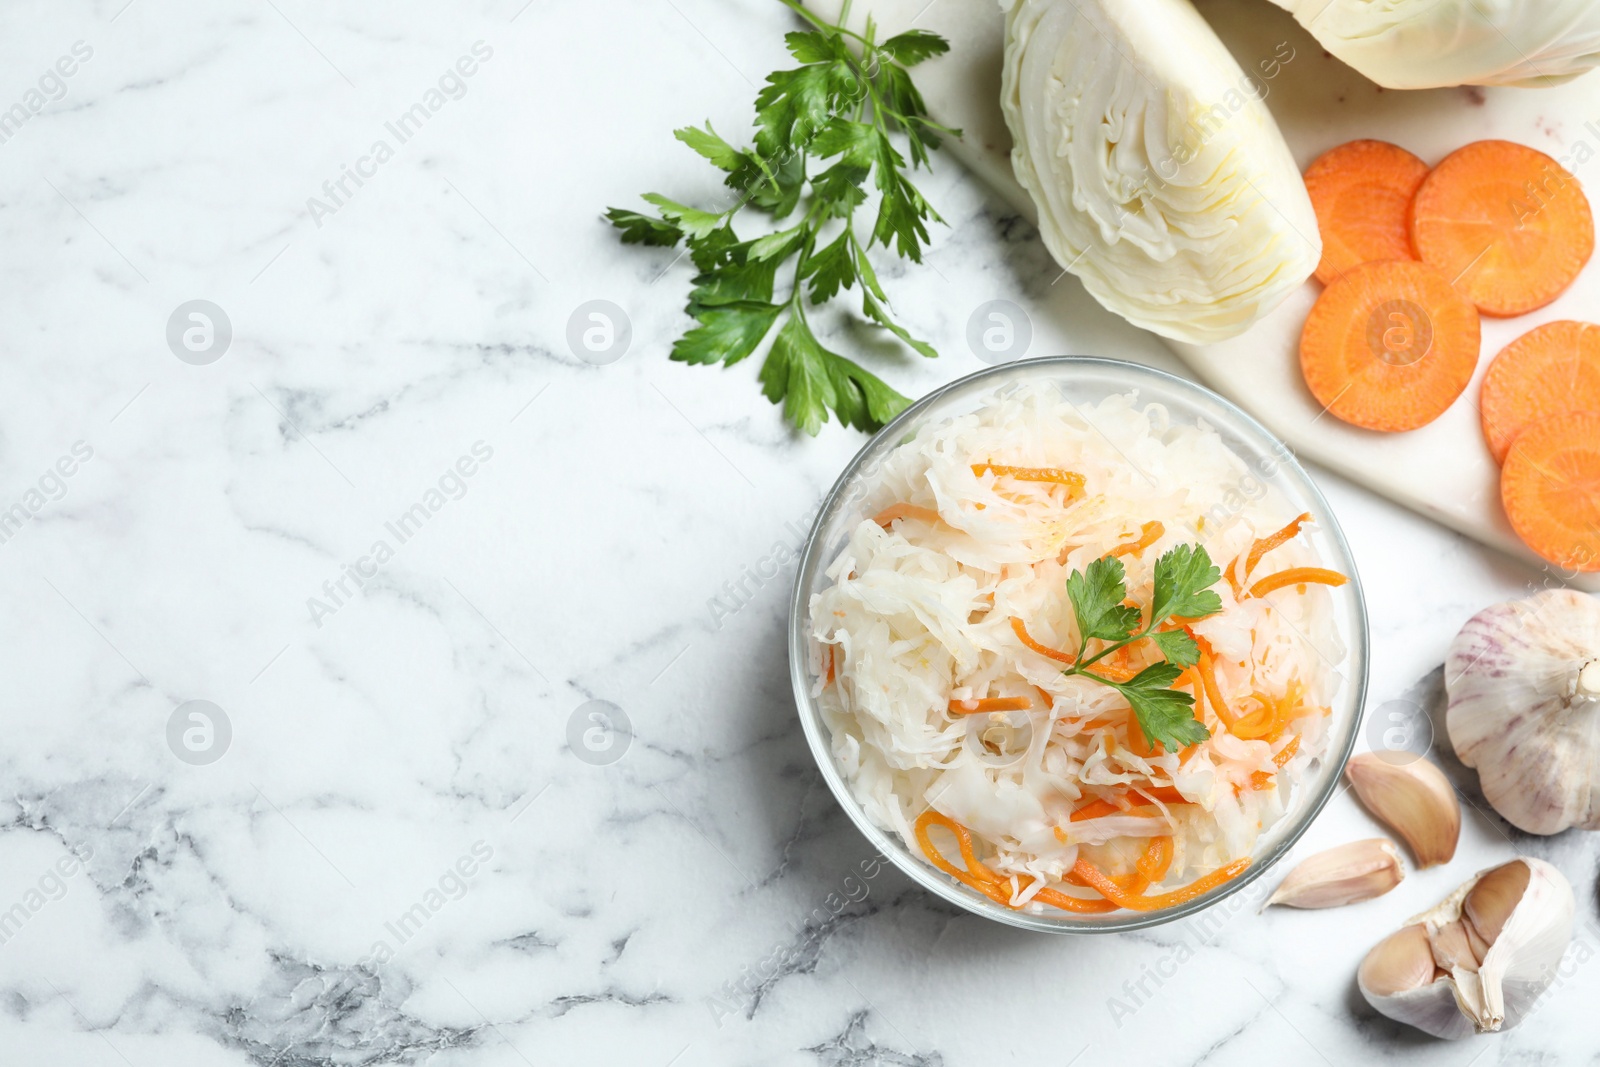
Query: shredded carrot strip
<point x="983" y="878"/>
<point x="977" y="875"/>
<point x="1165" y="793"/>
<point x="1102" y="722"/>
<point x="976" y="707"/>
<point x="904" y="511"/>
<point x="1156" y="861"/>
<point x="1297" y="576"/>
<point x="1264" y="779"/>
<point x="1095" y="809"/>
<point x="1272" y="541"/>
<point x="1116" y="674"/>
<point x="1071" y="479"/>
<point x="1149" y="533"/>
<point x="1057" y="899"/>
<point x="1115" y="893"/>
<point x="1233" y="581"/>
<point x="1257" y="724"/>
<point x="829" y="680"/>
<point x="1138" y="743"/>
<point x="1021" y="630"/>
<point x="1208" y="679"/>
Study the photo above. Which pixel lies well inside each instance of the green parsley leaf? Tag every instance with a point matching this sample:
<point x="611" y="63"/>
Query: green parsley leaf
<point x="912" y="47"/>
<point x="722" y="155"/>
<point x="1177" y="646"/>
<point x="845" y="109"/>
<point x="640" y="229"/>
<point x="690" y="220"/>
<point x="831" y="269"/>
<point x="877" y="313"/>
<point x="726" y="334"/>
<point x="812" y="47"/>
<point x="1166" y="715"/>
<point x="810" y="380"/>
<point x="1097" y="595"/>
<point x="1183" y="581"/>
<point x="1182" y="586"/>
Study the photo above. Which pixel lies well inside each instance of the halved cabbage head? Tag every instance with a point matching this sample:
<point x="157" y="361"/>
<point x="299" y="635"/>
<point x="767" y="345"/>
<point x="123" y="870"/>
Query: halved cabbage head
<point x="1427" y="44"/>
<point x="1160" y="178"/>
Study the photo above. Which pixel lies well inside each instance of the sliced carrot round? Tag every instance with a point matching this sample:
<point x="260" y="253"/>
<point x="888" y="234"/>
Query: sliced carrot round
<point x="1551" y="489"/>
<point x="1361" y="192"/>
<point x="1550" y="370"/>
<point x="1506" y="224"/>
<point x="1389" y="346"/>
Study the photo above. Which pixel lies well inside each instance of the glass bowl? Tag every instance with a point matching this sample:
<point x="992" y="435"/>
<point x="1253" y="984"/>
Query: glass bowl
<point x="1087" y="380"/>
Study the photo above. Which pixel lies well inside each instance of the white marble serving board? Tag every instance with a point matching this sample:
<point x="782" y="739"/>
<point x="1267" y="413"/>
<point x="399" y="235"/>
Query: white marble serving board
<point x="1443" y="470"/>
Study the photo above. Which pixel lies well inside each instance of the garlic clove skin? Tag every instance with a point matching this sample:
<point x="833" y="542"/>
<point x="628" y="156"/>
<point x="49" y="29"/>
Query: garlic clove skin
<point x="1463" y="994"/>
<point x="1343" y="875"/>
<point x="1523" y="679"/>
<point x="1412" y="797"/>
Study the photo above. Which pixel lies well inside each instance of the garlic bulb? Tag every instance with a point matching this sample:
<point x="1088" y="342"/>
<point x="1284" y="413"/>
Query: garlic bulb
<point x="1160" y="177"/>
<point x="1426" y="44"/>
<point x="1346" y="874"/>
<point x="1481" y="959"/>
<point x="1412" y="796"/>
<point x="1524" y="685"/>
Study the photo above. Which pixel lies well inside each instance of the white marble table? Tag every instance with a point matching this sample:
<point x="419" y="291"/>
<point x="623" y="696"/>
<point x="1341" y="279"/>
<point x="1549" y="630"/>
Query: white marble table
<point x="398" y="857"/>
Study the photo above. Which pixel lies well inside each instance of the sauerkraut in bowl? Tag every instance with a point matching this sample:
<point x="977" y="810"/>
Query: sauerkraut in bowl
<point x="1078" y="645"/>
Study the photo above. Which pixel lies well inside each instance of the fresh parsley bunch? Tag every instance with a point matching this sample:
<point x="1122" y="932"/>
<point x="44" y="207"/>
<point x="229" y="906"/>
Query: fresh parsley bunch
<point x="838" y="111"/>
<point x="1183" y="580"/>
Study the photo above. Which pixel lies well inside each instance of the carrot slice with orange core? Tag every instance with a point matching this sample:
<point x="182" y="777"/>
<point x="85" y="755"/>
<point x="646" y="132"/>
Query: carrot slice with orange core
<point x="1116" y="674"/>
<point x="1149" y="533"/>
<point x="1361" y="192"/>
<point x="1389" y="346"/>
<point x="985" y="704"/>
<point x="1550" y="370"/>
<point x="904" y="511"/>
<point x="1550" y="487"/>
<point x="1071" y="479"/>
<point x="1109" y="889"/>
<point x="1506" y="224"/>
<point x="1297" y="576"/>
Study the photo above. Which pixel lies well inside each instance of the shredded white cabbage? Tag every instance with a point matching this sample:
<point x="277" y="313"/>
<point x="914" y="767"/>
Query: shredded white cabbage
<point x="919" y="615"/>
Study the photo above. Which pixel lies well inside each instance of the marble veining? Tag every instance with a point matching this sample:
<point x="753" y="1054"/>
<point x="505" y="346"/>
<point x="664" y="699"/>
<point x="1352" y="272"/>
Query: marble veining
<point x="525" y="785"/>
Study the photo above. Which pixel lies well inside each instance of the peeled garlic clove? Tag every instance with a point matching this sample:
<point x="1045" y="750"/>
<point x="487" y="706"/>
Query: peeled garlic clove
<point x="1524" y="685"/>
<point x="1490" y="903"/>
<point x="1347" y="874"/>
<point x="1433" y="975"/>
<point x="1452" y="950"/>
<point x="1399" y="963"/>
<point x="1414" y="797"/>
